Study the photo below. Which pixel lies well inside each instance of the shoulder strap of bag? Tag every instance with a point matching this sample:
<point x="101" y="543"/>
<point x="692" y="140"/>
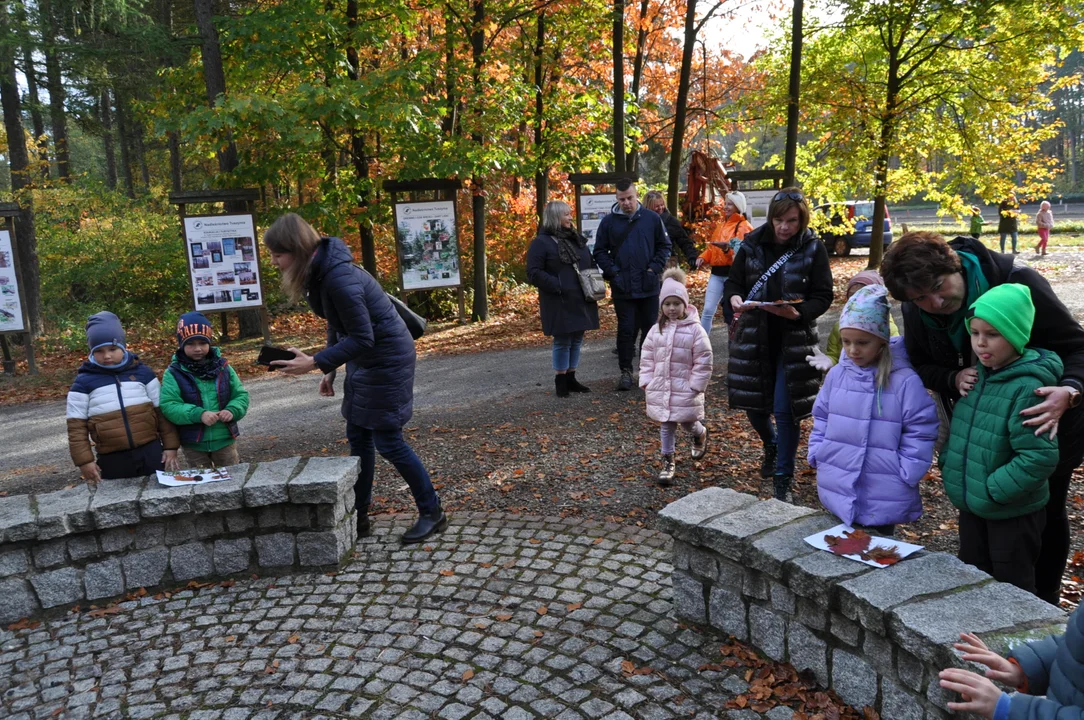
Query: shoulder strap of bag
<point x="619" y="238"/>
<point x="771" y="271"/>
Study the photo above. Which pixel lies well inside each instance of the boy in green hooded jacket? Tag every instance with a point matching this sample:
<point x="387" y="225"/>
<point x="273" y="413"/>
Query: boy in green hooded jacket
<point x="995" y="469"/>
<point x="202" y="396"/>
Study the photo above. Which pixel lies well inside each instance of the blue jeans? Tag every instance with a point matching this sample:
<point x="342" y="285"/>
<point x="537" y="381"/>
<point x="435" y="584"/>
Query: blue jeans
<point x="712" y="296"/>
<point x="566" y="351"/>
<point x="1015" y="237"/>
<point x="365" y="443"/>
<point x="786" y="432"/>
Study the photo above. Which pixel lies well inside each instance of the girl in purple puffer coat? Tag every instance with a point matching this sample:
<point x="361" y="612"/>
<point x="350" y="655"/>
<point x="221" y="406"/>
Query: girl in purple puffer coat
<point x="675" y="366"/>
<point x="874" y="425"/>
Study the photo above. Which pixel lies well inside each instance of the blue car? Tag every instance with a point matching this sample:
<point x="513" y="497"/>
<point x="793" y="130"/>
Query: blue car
<point x="843" y="241"/>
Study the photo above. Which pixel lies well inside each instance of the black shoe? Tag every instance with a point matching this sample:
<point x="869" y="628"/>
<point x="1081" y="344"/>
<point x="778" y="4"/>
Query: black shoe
<point x="625" y="383"/>
<point x="767" y="464"/>
<point x="574" y="384"/>
<point x="781" y="487"/>
<point x="560" y="382"/>
<point x="427" y="525"/>
<point x="365" y="528"/>
<point x="614" y="351"/>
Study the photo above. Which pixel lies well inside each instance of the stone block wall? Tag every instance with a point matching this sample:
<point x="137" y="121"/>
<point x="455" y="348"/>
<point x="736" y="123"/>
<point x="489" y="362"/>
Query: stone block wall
<point x="877" y="636"/>
<point x="91" y="544"/>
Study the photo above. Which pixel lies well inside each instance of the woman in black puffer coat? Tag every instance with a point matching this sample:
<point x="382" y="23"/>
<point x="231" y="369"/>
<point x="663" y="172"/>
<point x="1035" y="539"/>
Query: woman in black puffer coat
<point x="767" y="372"/>
<point x="365" y="333"/>
<point x="553" y="261"/>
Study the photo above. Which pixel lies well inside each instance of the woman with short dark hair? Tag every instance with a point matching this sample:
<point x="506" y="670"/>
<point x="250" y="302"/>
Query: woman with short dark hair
<point x="781" y="262"/>
<point x="554" y="260"/>
<point x="938" y="281"/>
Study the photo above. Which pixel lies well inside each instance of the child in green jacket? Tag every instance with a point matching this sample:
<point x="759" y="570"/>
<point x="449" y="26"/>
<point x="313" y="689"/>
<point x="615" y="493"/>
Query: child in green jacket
<point x="976" y="222"/>
<point x="202" y="396"/>
<point x="994" y="468"/>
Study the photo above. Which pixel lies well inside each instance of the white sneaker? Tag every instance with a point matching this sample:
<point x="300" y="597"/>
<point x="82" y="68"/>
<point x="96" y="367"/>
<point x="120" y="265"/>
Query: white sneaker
<point x="666" y="475"/>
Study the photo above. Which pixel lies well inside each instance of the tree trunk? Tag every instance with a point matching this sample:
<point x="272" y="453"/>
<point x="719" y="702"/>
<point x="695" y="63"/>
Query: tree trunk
<point x="176" y="161"/>
<point x="19" y="164"/>
<point x="30" y="72"/>
<point x="884" y="153"/>
<point x="678" y="145"/>
<point x="214" y="76"/>
<point x="619" y="85"/>
<point x="637" y="76"/>
<point x="791" y="153"/>
<point x="480" y="305"/>
<point x="541" y="178"/>
<point x="451" y="99"/>
<point x="54" y="81"/>
<point x="358" y="158"/>
<point x="123" y="137"/>
<point x="105" y="116"/>
<point x="141" y="158"/>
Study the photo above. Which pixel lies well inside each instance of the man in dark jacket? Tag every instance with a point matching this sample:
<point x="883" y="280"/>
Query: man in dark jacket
<point x="679" y="238"/>
<point x="631" y="249"/>
<point x="937" y="282"/>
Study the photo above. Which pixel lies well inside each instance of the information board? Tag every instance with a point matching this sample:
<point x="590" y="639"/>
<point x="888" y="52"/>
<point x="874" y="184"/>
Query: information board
<point x="592" y="209"/>
<point x="223" y="262"/>
<point x="756" y="207"/>
<point x="427" y="240"/>
<point x="11" y="304"/>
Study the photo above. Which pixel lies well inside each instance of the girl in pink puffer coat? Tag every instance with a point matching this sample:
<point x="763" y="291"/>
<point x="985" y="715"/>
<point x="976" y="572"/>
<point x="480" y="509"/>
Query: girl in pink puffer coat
<point x="675" y="366"/>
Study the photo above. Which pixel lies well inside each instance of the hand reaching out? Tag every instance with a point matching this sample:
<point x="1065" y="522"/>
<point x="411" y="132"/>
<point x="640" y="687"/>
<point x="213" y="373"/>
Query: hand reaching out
<point x="979" y="694"/>
<point x="1001" y="669"/>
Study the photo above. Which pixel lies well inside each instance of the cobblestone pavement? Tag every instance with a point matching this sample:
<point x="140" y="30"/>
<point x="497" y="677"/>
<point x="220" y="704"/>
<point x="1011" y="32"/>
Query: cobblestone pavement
<point x="499" y="617"/>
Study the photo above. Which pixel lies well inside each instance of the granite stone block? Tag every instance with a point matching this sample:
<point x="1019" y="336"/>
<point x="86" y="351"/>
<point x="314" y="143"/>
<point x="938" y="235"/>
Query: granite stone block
<point x="81" y="547"/>
<point x="680" y="519"/>
<point x="103" y="579"/>
<point x="877" y="650"/>
<point x="810" y="613"/>
<point x="160" y="500"/>
<point x="180" y="530"/>
<point x="769" y="553"/>
<point x="117" y="539"/>
<point x="688" y="597"/>
<point x="317" y="549"/>
<point x="853" y="679"/>
<point x="297" y="516"/>
<point x="324" y="479"/>
<point x="782" y="599"/>
<point x="240" y="521"/>
<point x="149" y="534"/>
<point x="844" y="629"/>
<point x="145" y="568"/>
<point x="58" y="587"/>
<point x="19" y="600"/>
<point x="189" y="561"/>
<point x="232" y="556"/>
<point x="867" y="598"/>
<point x="64" y="512"/>
<point x="807" y="652"/>
<point x="768" y="631"/>
<point x="816" y="576"/>
<point x="681" y="553"/>
<point x="927" y="628"/>
<point x="223" y="495"/>
<point x="910" y="670"/>
<point x="116" y="502"/>
<point x="271" y="516"/>
<point x="275" y="550"/>
<point x="50" y="554"/>
<point x="727" y="612"/>
<point x="266" y="485"/>
<point x="897" y="703"/>
<point x="209" y="525"/>
<point x="730" y="535"/>
<point x="17" y="519"/>
<point x="13" y="562"/>
<point x="756" y="585"/>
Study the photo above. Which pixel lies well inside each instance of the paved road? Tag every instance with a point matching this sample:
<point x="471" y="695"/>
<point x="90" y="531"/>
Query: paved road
<point x="1071" y="211"/>
<point x="33" y="443"/>
<point x="498" y="617"/>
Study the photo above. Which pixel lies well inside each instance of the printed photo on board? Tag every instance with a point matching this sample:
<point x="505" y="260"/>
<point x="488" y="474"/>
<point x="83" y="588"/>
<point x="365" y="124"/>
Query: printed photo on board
<point x="5" y="260"/>
<point x="205" y="297"/>
<point x="214" y="246"/>
<point x="224" y="296"/>
<point x="201" y="263"/>
<point x="227" y="246"/>
<point x="244" y="273"/>
<point x="225" y="278"/>
<point x="197" y="249"/>
<point x="205" y="280"/>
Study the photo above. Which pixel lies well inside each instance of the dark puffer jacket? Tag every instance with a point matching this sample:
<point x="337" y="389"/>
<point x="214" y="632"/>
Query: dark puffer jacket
<point x="561" y="302"/>
<point x="365" y="333"/>
<point x="751" y="367"/>
<point x="1054" y="667"/>
<point x="633" y="265"/>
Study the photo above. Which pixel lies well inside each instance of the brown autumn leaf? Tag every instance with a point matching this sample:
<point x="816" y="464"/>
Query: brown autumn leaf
<point x="293" y="639"/>
<point x="447" y="573"/>
<point x="535" y="541"/>
<point x="102" y="612"/>
<point x="598" y="540"/>
<point x="504" y="617"/>
<point x="467" y="674"/>
<point x="538" y="633"/>
<point x="542" y="610"/>
<point x="231" y="638"/>
<point x="883" y="555"/>
<point x="572" y="607"/>
<point x="855" y="542"/>
<point x="627" y="667"/>
<point x="24" y="624"/>
<point x="487" y="565"/>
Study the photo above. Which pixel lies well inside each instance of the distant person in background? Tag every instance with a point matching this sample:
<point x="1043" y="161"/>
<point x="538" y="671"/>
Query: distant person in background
<point x="1044" y="221"/>
<point x="554" y="260"/>
<point x="679" y="238"/>
<point x="725" y="240"/>
<point x="1007" y="223"/>
<point x="976" y="222"/>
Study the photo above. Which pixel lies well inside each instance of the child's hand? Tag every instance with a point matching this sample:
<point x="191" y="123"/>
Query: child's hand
<point x="225" y="416"/>
<point x="90" y="472"/>
<point x="169" y="459"/>
<point x="1001" y="669"/>
<point x="819" y="360"/>
<point x="980" y="695"/>
<point x="208" y="418"/>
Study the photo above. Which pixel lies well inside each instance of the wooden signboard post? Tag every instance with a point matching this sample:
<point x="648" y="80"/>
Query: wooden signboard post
<point x="13" y="316"/>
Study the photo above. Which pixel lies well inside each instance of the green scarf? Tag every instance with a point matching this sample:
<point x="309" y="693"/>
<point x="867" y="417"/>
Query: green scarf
<point x="976" y="284"/>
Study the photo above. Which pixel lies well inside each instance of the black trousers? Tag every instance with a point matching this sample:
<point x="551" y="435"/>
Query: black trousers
<point x="1007" y="549"/>
<point x="633" y="316"/>
<point x="136" y="462"/>
<point x="1055" y="552"/>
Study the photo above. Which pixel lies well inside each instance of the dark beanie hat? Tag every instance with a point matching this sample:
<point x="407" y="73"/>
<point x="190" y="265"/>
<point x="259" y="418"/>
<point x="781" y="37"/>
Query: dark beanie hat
<point x="192" y="326"/>
<point x="103" y="329"/>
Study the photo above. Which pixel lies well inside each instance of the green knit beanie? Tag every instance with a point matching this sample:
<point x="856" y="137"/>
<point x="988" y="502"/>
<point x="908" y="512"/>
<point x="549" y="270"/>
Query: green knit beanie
<point x="1009" y="309"/>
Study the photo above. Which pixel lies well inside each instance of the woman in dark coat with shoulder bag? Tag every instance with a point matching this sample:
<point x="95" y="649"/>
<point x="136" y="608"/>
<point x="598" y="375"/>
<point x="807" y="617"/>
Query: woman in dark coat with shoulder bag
<point x="780" y="262"/>
<point x="554" y="260"/>
<point x="365" y="333"/>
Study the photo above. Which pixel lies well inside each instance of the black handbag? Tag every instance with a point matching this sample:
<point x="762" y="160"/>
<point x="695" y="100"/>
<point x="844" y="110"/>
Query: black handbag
<point x="415" y="323"/>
